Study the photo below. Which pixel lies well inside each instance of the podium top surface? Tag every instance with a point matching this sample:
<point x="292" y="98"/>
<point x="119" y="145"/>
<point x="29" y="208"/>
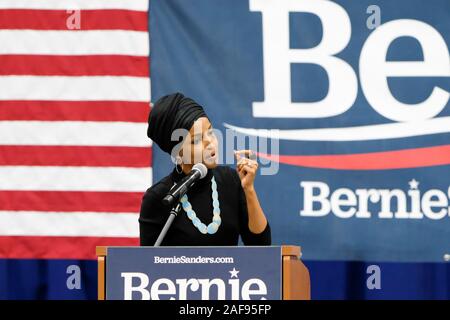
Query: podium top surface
<point x="286" y="250"/>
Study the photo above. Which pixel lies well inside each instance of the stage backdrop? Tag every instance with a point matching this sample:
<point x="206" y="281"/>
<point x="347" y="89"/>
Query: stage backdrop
<point x="358" y="94"/>
<point x="356" y="91"/>
<point x="362" y="114"/>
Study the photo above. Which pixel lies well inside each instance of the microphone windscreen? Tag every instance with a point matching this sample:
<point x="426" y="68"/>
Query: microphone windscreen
<point x="201" y="168"/>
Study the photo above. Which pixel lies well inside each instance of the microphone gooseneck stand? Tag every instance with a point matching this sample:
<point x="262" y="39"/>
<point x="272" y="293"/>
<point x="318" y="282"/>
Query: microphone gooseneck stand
<point x="173" y="214"/>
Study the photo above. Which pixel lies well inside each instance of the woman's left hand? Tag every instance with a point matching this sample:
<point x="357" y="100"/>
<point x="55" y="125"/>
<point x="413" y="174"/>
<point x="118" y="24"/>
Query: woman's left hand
<point x="246" y="168"/>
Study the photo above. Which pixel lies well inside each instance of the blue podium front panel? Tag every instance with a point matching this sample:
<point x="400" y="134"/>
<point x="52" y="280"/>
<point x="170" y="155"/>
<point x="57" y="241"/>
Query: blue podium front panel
<point x="193" y="273"/>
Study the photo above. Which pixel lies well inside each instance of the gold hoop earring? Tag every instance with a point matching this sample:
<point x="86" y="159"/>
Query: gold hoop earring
<point x="179" y="163"/>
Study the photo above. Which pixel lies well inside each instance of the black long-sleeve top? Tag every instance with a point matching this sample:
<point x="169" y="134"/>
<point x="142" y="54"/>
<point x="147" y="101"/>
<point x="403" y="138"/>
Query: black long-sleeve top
<point x="233" y="208"/>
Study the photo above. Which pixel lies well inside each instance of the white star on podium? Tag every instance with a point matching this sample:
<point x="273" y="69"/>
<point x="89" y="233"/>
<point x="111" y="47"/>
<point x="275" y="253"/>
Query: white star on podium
<point x="234" y="273"/>
<point x="414" y="184"/>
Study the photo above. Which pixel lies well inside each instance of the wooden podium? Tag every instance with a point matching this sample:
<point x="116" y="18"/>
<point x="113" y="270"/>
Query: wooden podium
<point x="294" y="274"/>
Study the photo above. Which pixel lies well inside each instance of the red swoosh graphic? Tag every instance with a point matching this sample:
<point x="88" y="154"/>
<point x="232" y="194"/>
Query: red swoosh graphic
<point x="398" y="159"/>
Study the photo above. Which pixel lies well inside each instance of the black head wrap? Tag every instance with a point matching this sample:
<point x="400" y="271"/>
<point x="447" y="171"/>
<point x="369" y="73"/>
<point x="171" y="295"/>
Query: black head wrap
<point x="171" y="112"/>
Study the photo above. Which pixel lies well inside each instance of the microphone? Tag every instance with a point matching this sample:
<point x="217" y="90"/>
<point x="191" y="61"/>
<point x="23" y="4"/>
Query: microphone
<point x="198" y="171"/>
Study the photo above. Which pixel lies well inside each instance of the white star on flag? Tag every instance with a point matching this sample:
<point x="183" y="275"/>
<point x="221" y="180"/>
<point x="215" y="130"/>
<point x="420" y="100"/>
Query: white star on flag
<point x="413" y="184"/>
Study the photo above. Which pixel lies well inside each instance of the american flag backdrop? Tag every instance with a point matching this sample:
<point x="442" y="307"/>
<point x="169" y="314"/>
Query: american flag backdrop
<point x="74" y="99"/>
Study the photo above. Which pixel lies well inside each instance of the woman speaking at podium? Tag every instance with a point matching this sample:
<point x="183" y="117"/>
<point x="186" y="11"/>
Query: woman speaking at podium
<point x="218" y="208"/>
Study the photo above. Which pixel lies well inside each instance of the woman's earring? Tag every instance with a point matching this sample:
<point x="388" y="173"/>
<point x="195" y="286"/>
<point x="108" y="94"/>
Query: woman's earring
<point x="178" y="164"/>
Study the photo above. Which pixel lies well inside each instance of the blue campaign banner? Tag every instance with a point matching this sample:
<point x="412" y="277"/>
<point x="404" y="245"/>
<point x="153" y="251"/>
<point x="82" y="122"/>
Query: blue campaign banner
<point x="355" y="93"/>
<point x="188" y="273"/>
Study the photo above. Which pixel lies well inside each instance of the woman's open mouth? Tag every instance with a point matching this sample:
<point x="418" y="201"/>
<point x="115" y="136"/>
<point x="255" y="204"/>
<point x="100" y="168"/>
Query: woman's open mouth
<point x="211" y="157"/>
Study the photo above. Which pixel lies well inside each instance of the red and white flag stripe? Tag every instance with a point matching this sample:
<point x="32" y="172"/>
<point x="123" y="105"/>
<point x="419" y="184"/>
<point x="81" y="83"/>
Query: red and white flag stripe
<point x="125" y="111"/>
<point x="135" y="5"/>
<point x="74" y="156"/>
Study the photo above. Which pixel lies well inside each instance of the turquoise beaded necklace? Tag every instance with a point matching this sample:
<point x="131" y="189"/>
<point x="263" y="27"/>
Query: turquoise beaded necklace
<point x="216" y="221"/>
